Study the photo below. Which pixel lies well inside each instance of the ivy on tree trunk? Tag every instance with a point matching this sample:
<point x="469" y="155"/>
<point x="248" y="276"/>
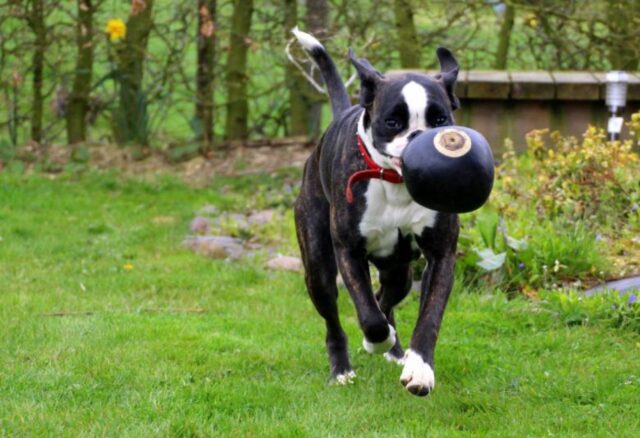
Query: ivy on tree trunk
<point x="502" y="54"/>
<point x="408" y="44"/>
<point x="624" y="49"/>
<point x="37" y="24"/>
<point x="236" y="126"/>
<point x="296" y="84"/>
<point x="132" y="118"/>
<point x="317" y="23"/>
<point x="79" y="97"/>
<point x="206" y="38"/>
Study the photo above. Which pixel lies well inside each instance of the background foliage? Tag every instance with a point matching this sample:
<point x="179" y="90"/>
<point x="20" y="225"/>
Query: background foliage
<point x="170" y="82"/>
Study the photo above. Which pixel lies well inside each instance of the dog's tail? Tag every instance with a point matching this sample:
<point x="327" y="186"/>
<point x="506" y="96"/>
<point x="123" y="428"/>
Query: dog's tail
<point x="337" y="92"/>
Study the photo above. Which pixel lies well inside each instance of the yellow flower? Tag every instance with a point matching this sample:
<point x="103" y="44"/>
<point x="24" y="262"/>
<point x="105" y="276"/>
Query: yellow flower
<point x="127" y="266"/>
<point x="116" y="29"/>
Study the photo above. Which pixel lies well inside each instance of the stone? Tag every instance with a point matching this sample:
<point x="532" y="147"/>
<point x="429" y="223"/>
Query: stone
<point x="261" y="217"/>
<point x="200" y="225"/>
<point x="217" y="247"/>
<point x="285" y="263"/>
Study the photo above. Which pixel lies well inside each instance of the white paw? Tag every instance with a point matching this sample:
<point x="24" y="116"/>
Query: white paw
<point x="381" y="347"/>
<point x="391" y="358"/>
<point x="417" y="375"/>
<point x="346" y="378"/>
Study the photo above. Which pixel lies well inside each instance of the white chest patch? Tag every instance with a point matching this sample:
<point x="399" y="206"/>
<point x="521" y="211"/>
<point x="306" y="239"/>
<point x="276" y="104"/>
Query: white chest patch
<point x="390" y="209"/>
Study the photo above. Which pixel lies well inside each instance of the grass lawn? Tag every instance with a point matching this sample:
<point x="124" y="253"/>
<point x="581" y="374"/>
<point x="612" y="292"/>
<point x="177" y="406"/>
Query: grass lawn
<point x="155" y="340"/>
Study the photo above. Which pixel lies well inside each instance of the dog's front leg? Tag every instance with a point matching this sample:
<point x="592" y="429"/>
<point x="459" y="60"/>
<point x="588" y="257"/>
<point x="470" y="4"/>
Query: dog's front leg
<point x="379" y="335"/>
<point x="439" y="247"/>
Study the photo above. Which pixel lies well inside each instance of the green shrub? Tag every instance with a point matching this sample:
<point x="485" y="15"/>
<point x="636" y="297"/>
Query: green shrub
<point x="592" y="179"/>
<point x="564" y="213"/>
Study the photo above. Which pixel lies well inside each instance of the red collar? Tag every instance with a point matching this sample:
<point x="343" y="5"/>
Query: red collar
<point x="374" y="171"/>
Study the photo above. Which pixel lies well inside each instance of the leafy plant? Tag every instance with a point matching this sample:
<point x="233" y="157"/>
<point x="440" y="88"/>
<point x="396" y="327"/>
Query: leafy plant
<point x="613" y="309"/>
<point x="546" y="253"/>
<point x="573" y="202"/>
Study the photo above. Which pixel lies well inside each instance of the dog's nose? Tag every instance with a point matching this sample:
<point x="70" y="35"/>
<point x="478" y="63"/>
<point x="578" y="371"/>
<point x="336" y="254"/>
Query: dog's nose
<point x="414" y="134"/>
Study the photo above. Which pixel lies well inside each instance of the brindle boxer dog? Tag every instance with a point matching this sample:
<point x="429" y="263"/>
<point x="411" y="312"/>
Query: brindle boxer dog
<point x="353" y="209"/>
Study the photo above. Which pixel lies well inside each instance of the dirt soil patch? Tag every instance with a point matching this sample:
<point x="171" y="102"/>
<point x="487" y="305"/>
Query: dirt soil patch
<point x="199" y="170"/>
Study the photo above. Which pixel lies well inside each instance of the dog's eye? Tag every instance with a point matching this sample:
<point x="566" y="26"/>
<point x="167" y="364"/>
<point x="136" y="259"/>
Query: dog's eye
<point x="392" y="123"/>
<point x="440" y="120"/>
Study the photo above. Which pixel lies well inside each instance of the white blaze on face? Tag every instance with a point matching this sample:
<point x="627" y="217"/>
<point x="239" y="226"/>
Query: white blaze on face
<point x="415" y="95"/>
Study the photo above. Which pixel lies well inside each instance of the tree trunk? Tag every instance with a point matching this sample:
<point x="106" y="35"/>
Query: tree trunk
<point x="79" y="98"/>
<point x="317" y="23"/>
<point x="408" y="44"/>
<point x="624" y="50"/>
<point x="36" y="22"/>
<point x="205" y="73"/>
<point x="502" y="54"/>
<point x="298" y="105"/>
<point x="132" y="117"/>
<point x="236" y="78"/>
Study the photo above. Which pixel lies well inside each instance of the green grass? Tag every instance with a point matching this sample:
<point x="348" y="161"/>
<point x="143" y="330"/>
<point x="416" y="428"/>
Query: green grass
<point x="132" y="357"/>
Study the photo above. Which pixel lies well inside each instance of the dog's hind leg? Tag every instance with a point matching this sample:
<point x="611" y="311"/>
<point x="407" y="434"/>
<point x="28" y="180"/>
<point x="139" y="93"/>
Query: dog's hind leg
<point x="312" y="227"/>
<point x="395" y="284"/>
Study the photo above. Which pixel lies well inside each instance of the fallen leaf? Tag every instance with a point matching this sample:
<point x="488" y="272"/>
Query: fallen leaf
<point x="163" y="220"/>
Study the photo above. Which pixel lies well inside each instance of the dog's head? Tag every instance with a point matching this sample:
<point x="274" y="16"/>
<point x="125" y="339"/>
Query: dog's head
<point x="398" y="107"/>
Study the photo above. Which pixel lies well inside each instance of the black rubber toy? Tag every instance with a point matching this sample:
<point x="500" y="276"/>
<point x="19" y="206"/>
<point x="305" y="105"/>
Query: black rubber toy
<point x="449" y="169"/>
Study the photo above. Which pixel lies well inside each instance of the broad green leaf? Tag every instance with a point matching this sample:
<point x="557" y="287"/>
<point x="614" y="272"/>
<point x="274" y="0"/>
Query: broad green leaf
<point x="490" y="261"/>
<point x="515" y="244"/>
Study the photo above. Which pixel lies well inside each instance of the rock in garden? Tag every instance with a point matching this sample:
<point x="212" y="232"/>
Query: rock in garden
<point x="200" y="225"/>
<point x="260" y="217"/>
<point x="217" y="247"/>
<point x="285" y="263"/>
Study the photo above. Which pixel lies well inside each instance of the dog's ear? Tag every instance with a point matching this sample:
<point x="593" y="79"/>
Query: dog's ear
<point x="370" y="79"/>
<point x="449" y="69"/>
